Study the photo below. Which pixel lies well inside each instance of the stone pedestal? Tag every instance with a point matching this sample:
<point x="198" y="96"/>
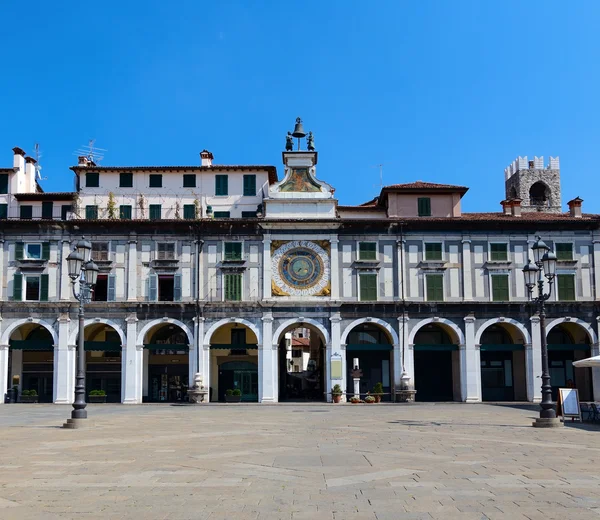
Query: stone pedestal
<point x="197" y="393"/>
<point x="553" y="422"/>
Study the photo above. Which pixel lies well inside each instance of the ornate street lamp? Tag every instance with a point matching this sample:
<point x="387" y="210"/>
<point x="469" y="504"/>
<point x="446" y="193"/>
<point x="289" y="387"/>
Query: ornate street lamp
<point x="544" y="265"/>
<point x="83" y="270"/>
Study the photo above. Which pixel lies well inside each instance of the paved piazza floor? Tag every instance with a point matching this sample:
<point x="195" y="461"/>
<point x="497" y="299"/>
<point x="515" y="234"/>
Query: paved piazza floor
<point x="293" y="462"/>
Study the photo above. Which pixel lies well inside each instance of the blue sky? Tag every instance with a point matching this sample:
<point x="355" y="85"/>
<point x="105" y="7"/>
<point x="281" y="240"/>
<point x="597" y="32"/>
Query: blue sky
<point x="443" y="91"/>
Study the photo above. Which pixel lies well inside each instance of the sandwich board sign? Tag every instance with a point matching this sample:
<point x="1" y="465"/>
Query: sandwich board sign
<point x="567" y="404"/>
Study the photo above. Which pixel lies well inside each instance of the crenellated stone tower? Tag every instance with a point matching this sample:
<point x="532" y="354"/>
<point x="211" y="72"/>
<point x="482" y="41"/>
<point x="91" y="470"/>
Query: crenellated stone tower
<point x="537" y="186"/>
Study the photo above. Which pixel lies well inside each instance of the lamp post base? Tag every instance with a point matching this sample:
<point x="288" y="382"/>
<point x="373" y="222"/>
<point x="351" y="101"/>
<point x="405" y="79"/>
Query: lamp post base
<point x="75" y="424"/>
<point x="552" y="422"/>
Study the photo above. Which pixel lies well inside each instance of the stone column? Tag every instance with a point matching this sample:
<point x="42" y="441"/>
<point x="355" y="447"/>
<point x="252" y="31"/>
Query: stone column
<point x="336" y="348"/>
<point x="132" y="276"/>
<point x="595" y="351"/>
<point x="408" y="361"/>
<point x="335" y="269"/>
<point x="397" y="361"/>
<point x="131" y="377"/>
<point x="267" y="363"/>
<point x="267" y="267"/>
<point x="4" y="353"/>
<point x="65" y="281"/>
<point x="401" y="269"/>
<point x="203" y="352"/>
<point x="145" y="359"/>
<point x="533" y="361"/>
<point x="2" y="274"/>
<point x="467" y="271"/>
<point x="65" y="356"/>
<point x="596" y="269"/>
<point x="471" y="375"/>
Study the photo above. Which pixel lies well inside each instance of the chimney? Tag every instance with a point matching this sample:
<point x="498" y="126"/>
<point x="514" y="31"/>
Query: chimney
<point x="575" y="207"/>
<point x="29" y="186"/>
<point x="206" y="158"/>
<point x="506" y="207"/>
<point x="516" y="207"/>
<point x="19" y="159"/>
<point x="82" y="160"/>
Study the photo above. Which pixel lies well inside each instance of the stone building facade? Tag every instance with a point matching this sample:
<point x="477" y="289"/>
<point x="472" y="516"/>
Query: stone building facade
<point x="214" y="280"/>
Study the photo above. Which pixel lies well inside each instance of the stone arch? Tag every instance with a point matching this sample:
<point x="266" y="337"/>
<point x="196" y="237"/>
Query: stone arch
<point x="164" y="321"/>
<point x="14" y="326"/>
<point x="215" y="326"/>
<point x="439" y="321"/>
<point x="586" y="326"/>
<point x="382" y="323"/>
<point x="299" y="321"/>
<point x="519" y="326"/>
<point x="93" y="321"/>
<point x="540" y="194"/>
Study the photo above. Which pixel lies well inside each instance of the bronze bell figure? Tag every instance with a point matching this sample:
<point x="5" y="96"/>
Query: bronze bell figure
<point x="299" y="129"/>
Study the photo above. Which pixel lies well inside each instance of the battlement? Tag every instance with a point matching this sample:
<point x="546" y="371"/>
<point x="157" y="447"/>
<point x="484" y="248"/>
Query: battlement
<point x="522" y="163"/>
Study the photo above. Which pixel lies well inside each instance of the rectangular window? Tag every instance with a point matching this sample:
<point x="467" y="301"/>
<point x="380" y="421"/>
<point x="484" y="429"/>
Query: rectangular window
<point x="3" y="183"/>
<point x="233" y="250"/>
<point x="221" y="214"/>
<point x="248" y="214"/>
<point x="32" y="252"/>
<point x="100" y="251"/>
<point x="433" y="251"/>
<point x="155" y="211"/>
<point x="189" y="211"/>
<point x="3" y="211"/>
<point x="189" y="180"/>
<point x="249" y="185"/>
<point x="156" y="180"/>
<point x="92" y="180"/>
<point x="65" y="209"/>
<point x="125" y="180"/>
<point x="435" y="287"/>
<point x="500" y="288"/>
<point x="125" y="212"/>
<point x="424" y="206"/>
<point x="221" y="185"/>
<point x="233" y="287"/>
<point x="368" y="287"/>
<point x="166" y="251"/>
<point x="367" y="250"/>
<point x="91" y="212"/>
<point x="100" y="293"/>
<point x="498" y="252"/>
<point x="565" y="284"/>
<point x="564" y="251"/>
<point x="26" y="212"/>
<point x="238" y="336"/>
<point x="32" y="288"/>
<point x="166" y="288"/>
<point x="47" y="209"/>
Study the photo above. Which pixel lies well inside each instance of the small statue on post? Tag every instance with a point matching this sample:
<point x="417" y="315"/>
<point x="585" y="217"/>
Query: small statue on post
<point x="310" y="142"/>
<point x="289" y="142"/>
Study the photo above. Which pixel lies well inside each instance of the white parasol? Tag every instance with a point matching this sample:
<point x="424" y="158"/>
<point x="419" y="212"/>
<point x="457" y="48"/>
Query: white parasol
<point x="588" y="362"/>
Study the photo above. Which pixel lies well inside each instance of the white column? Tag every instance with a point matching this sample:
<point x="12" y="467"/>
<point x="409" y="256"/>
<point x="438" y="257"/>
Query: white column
<point x="595" y="351"/>
<point x="64" y="364"/>
<point x="145" y="360"/>
<point x="65" y="281"/>
<point x="596" y="269"/>
<point x="267" y="363"/>
<point x="266" y="268"/>
<point x="131" y="376"/>
<point x="3" y="371"/>
<point x="408" y="363"/>
<point x="2" y="269"/>
<point x="398" y="362"/>
<point x="533" y="360"/>
<point x="335" y="269"/>
<point x="203" y="353"/>
<point x="471" y="375"/>
<point x="335" y="347"/>
<point x="132" y="276"/>
<point x="467" y="272"/>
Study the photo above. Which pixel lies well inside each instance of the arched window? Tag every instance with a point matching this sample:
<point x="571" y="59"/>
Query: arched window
<point x="539" y="194"/>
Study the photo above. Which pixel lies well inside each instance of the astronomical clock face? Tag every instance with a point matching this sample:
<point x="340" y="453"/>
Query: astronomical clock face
<point x="300" y="268"/>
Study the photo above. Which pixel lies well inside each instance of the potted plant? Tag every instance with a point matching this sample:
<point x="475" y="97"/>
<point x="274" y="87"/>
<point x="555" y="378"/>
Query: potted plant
<point x="233" y="396"/>
<point x="97" y="396"/>
<point x="336" y="393"/>
<point x="377" y="392"/>
<point x="355" y="399"/>
<point x="29" y="396"/>
<point x="370" y="399"/>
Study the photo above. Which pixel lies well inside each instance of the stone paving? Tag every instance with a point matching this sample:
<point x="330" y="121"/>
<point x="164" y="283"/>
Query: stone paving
<point x="293" y="462"/>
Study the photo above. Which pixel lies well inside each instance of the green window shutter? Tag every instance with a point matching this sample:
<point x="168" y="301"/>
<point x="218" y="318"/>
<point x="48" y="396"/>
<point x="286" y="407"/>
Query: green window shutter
<point x="19" y="249"/>
<point x="177" y="288"/>
<point x="248" y="214"/>
<point x="499" y="252"/>
<point x="26" y="212"/>
<point x="155" y="180"/>
<point x="189" y="180"/>
<point x="126" y="180"/>
<point x="46" y="251"/>
<point x="233" y="287"/>
<point x="435" y="287"/>
<point x="221" y="185"/>
<point x="3" y="211"/>
<point x="155" y="211"/>
<point x="433" y="251"/>
<point x="500" y="288"/>
<point x="18" y="287"/>
<point x="92" y="180"/>
<point x="233" y="250"/>
<point x="125" y="212"/>
<point x="368" y="287"/>
<point x="91" y="212"/>
<point x="424" y="206"/>
<point x="111" y="295"/>
<point x="249" y="185"/>
<point x="44" y="288"/>
<point x="367" y="250"/>
<point x="189" y="211"/>
<point x="47" y="209"/>
<point x="566" y="287"/>
<point x="3" y="183"/>
<point x="153" y="288"/>
<point x="221" y="214"/>
<point x="564" y="251"/>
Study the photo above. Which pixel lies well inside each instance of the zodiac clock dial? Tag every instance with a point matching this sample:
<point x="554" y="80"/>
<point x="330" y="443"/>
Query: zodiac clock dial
<point x="301" y="268"/>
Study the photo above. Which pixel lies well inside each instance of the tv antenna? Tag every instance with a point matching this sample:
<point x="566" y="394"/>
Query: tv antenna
<point x="91" y="152"/>
<point x="380" y="185"/>
<point x="38" y="166"/>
